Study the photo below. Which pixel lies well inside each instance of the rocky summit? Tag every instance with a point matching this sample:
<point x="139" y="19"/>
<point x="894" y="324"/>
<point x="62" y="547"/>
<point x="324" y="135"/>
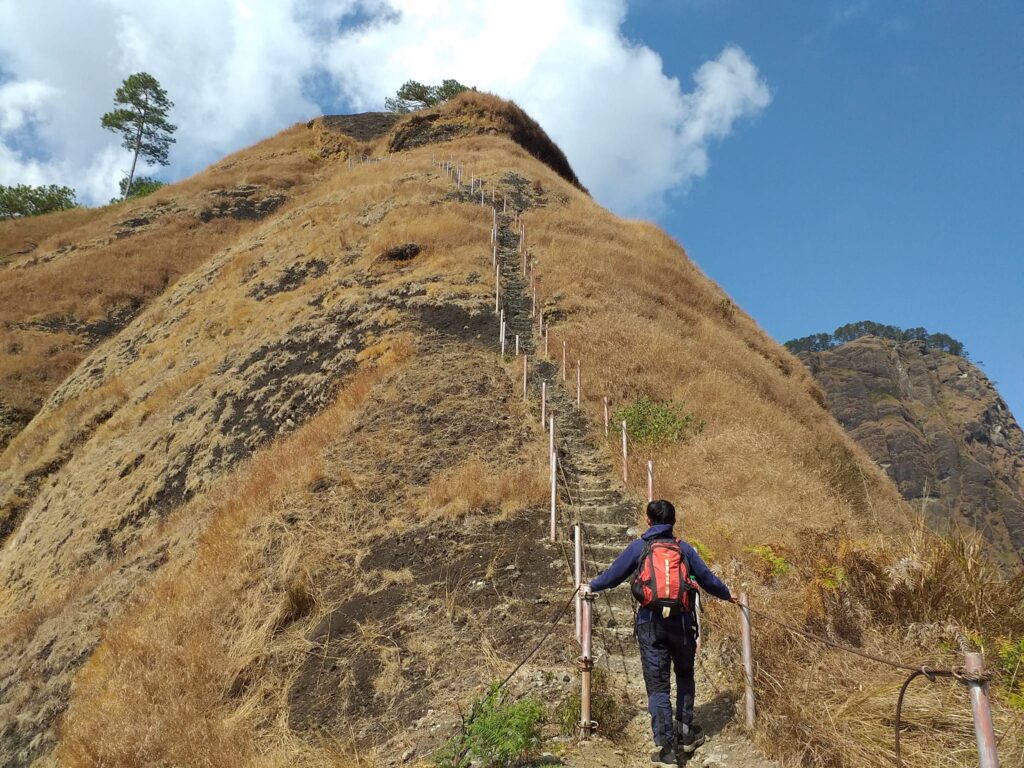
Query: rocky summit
<point x="938" y="427"/>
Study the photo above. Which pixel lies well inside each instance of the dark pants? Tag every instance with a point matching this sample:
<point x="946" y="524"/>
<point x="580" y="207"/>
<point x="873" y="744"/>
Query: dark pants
<point x="665" y="645"/>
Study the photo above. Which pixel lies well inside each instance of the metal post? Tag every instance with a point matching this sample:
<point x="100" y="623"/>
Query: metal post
<point x="625" y="455"/>
<point x="551" y="433"/>
<point x="504" y="203"/>
<point x="497" y="288"/>
<point x="577" y="536"/>
<point x="503" y="336"/>
<point x="981" y="709"/>
<point x="494" y="256"/>
<point x="748" y="659"/>
<point x="554" y="491"/>
<point x="517" y="345"/>
<point x="650" y="480"/>
<point x="543" y="402"/>
<point x="546" y="342"/>
<point x="606" y="417"/>
<point x="564" y="364"/>
<point x="533" y="306"/>
<point x="525" y="357"/>
<point x="586" y="661"/>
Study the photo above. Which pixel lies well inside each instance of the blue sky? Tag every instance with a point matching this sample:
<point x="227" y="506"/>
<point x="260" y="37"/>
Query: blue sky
<point x="886" y="179"/>
<point x="824" y="161"/>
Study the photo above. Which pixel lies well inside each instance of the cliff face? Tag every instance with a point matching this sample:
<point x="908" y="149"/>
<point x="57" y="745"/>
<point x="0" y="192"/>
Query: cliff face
<point x="937" y="425"/>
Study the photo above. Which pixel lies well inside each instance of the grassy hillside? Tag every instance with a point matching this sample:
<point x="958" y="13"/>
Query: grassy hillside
<point x="297" y="506"/>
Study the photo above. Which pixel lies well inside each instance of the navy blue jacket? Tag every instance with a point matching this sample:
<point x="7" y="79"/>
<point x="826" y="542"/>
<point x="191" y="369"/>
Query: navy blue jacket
<point x="628" y="562"/>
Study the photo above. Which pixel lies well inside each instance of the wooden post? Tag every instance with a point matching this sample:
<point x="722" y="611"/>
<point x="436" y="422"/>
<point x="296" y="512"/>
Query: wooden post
<point x="625" y="455"/>
<point x="981" y="709"/>
<point x="748" y="659"/>
<point x="586" y="724"/>
<point x="606" y="416"/>
<point x="554" y="491"/>
<point x="579" y="384"/>
<point x="650" y="480"/>
<point x="525" y="357"/>
<point x="577" y="537"/>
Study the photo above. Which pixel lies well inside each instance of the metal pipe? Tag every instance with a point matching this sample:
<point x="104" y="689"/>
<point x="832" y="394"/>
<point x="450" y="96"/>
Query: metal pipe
<point x="606" y="416"/>
<point x="748" y="659"/>
<point x="543" y="402"/>
<point x="981" y="709"/>
<point x="551" y="433"/>
<point x="554" y="491"/>
<point x="577" y="535"/>
<point x="586" y="661"/>
<point x="625" y="455"/>
<point x="564" y="364"/>
<point x="650" y="480"/>
<point x="525" y="357"/>
<point x="517" y="345"/>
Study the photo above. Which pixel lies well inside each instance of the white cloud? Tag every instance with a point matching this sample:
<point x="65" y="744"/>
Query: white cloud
<point x="235" y="69"/>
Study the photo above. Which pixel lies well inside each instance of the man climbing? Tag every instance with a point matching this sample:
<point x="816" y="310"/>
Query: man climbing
<point x="663" y="570"/>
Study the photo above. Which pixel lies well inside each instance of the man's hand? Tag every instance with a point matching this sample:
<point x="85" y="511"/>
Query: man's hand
<point x="585" y="589"/>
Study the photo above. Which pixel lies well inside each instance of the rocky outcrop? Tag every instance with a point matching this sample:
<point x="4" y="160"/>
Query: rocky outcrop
<point x="936" y="424"/>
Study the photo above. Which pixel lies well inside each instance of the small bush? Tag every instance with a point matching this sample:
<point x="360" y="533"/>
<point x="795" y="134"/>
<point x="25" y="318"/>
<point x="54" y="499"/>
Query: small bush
<point x="1011" y="654"/>
<point x="498" y="732"/>
<point x="702" y="549"/>
<point x="660" y="423"/>
<point x="776" y="564"/>
<point x="609" y="707"/>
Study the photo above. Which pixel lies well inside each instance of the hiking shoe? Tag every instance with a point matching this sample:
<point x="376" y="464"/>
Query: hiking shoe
<point x="689" y="736"/>
<point x="666" y="756"/>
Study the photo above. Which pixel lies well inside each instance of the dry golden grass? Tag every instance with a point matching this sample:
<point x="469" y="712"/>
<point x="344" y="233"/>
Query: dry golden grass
<point x="81" y="272"/>
<point x="197" y="667"/>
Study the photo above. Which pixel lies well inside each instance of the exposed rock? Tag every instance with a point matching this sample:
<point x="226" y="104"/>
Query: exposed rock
<point x="936" y="424"/>
<point x="248" y="201"/>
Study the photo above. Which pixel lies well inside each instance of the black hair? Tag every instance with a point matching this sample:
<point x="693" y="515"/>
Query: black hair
<point x="661" y="512"/>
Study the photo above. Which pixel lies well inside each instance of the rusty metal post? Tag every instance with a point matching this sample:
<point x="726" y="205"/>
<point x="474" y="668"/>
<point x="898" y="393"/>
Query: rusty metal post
<point x="981" y="709"/>
<point x="577" y="537"/>
<point x="586" y="661"/>
<point x="650" y="480"/>
<point x="554" y="490"/>
<point x="748" y="659"/>
<point x="606" y="416"/>
<point x="625" y="455"/>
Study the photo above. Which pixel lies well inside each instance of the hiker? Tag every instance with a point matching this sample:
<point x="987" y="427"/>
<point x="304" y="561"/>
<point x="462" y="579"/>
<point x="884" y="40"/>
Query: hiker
<point x="665" y="623"/>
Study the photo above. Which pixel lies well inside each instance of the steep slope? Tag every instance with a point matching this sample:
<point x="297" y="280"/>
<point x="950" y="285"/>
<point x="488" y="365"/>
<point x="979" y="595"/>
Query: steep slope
<point x="936" y="424"/>
<point x="294" y="513"/>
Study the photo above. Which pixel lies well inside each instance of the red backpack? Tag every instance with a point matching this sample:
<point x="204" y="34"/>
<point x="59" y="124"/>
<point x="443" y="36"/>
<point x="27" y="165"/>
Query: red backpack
<point x="662" y="581"/>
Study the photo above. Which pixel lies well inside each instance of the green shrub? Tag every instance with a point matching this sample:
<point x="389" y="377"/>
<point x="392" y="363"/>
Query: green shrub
<point x="702" y="549"/>
<point x="497" y="732"/>
<point x="777" y="565"/>
<point x="25" y="200"/>
<point x="1011" y="660"/>
<point x="660" y="423"/>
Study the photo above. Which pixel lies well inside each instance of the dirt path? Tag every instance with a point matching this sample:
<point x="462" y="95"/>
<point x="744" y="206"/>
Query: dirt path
<point x="590" y="496"/>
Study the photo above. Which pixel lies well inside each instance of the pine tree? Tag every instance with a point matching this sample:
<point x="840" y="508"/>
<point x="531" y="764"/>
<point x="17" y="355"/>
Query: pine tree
<point x="140" y="116"/>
